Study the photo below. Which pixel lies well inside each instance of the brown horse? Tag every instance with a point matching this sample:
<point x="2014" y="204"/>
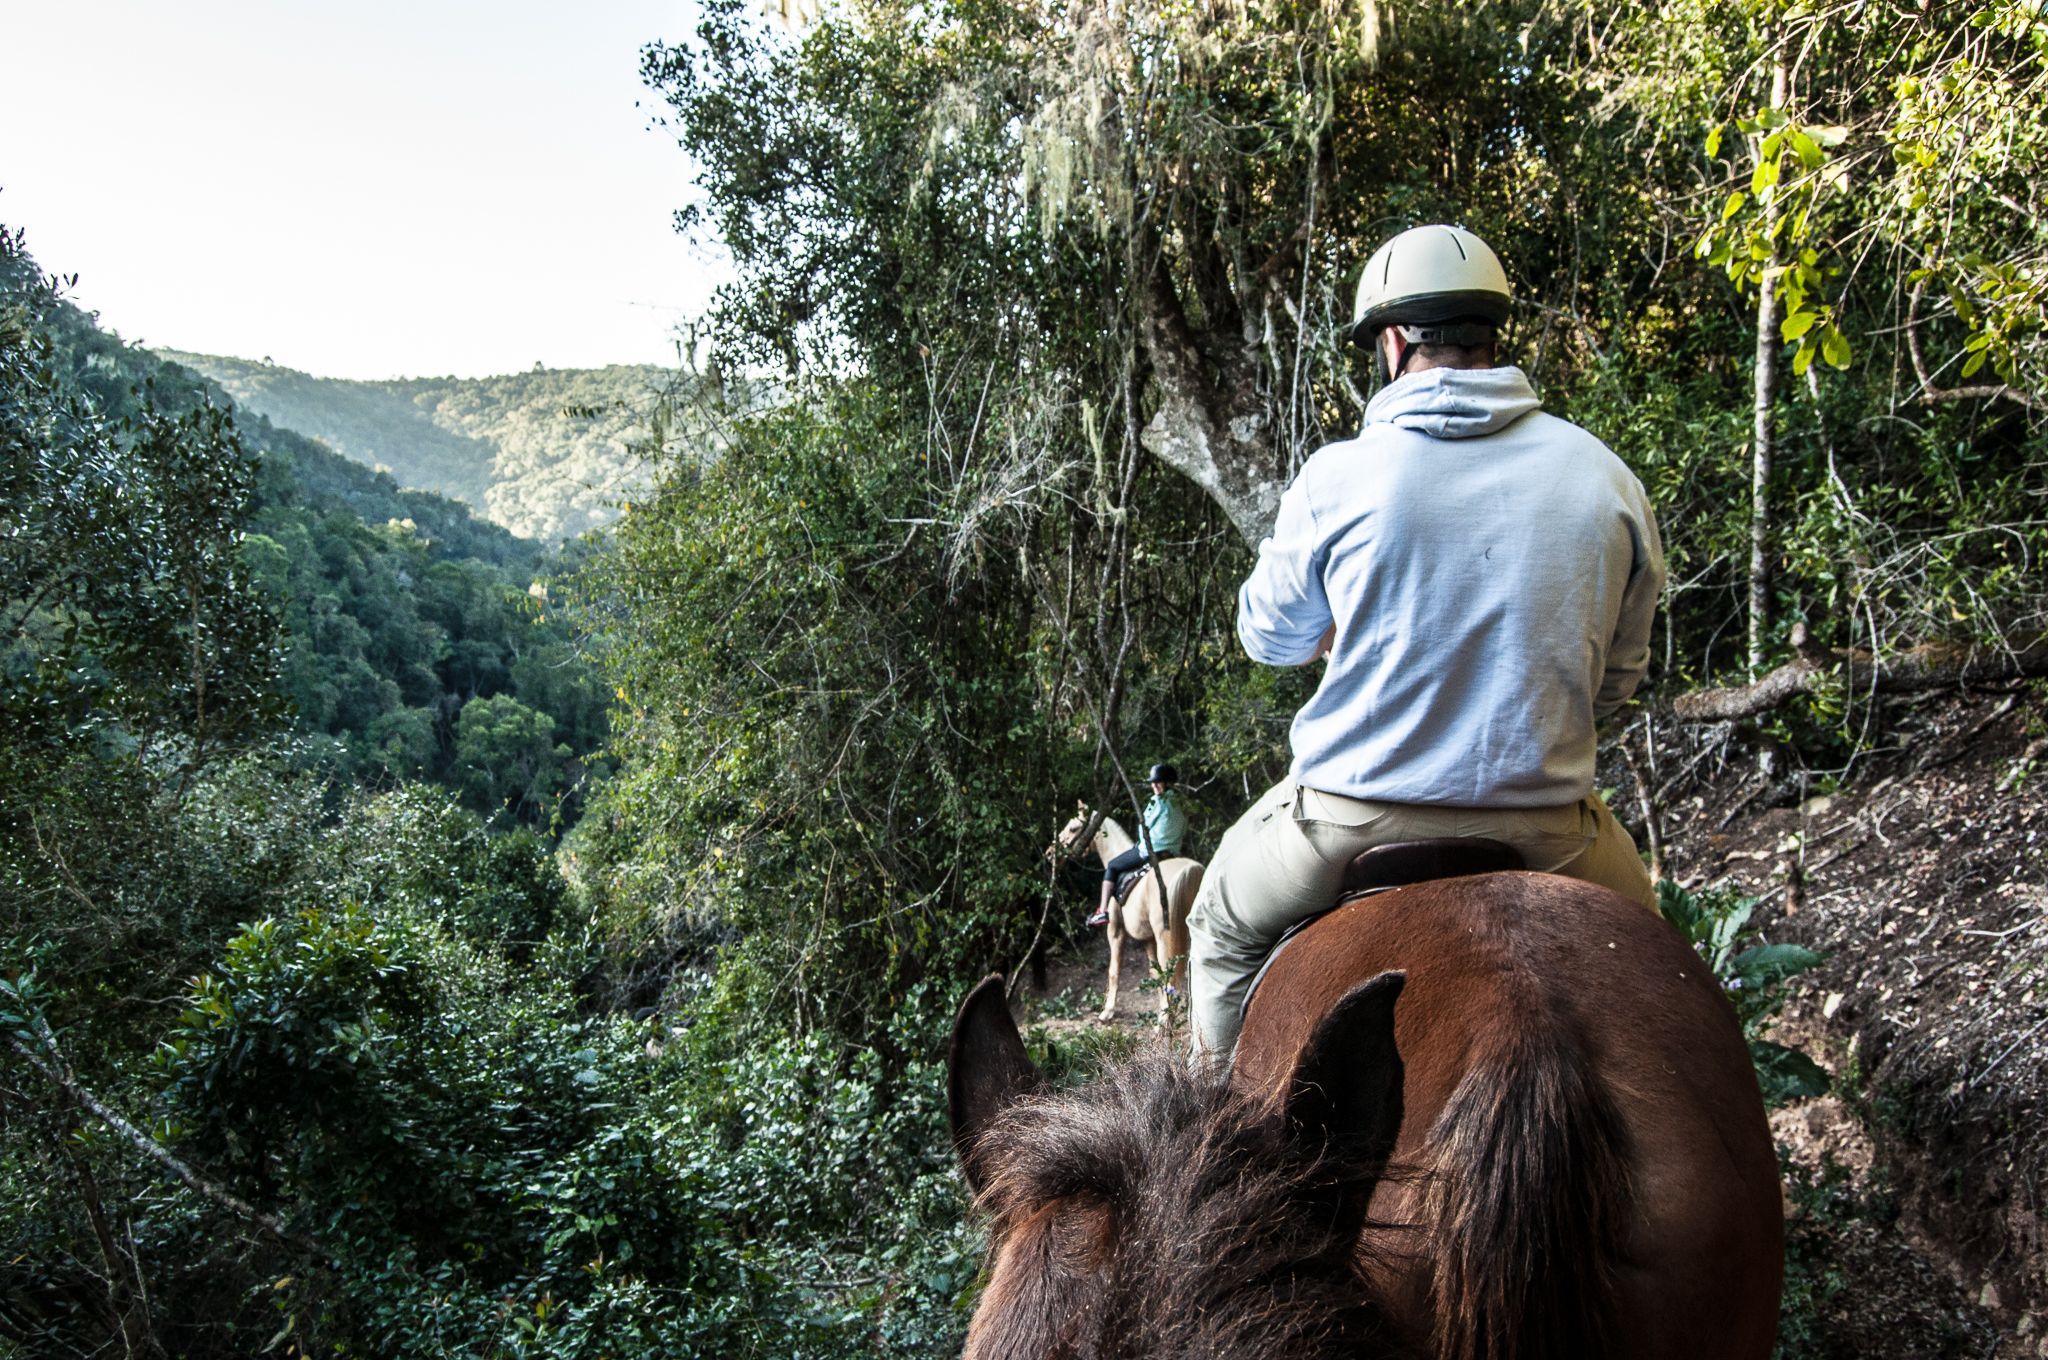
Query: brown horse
<point x="1552" y="1147"/>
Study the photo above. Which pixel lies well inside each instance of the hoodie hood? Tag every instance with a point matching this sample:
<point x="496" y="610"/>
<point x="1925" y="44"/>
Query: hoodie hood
<point x="1454" y="403"/>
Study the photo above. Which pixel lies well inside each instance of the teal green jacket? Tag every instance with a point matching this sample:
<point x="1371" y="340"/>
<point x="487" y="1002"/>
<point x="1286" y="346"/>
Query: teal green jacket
<point x="1165" y="824"/>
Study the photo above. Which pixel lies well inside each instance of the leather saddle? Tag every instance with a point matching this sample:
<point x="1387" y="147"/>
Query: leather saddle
<point x="1128" y="881"/>
<point x="1397" y="865"/>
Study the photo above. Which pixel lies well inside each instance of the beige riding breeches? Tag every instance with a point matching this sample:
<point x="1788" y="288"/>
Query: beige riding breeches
<point x="1284" y="860"/>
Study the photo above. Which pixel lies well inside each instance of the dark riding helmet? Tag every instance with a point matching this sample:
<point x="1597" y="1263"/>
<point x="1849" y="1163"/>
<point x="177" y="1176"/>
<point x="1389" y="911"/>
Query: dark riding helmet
<point x="1163" y="773"/>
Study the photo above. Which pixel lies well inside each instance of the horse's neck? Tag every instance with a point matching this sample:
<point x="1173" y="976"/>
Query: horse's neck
<point x="1111" y="840"/>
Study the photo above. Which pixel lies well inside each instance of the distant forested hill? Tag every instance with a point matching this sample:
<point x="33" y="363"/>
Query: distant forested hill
<point x="399" y="636"/>
<point x="548" y="454"/>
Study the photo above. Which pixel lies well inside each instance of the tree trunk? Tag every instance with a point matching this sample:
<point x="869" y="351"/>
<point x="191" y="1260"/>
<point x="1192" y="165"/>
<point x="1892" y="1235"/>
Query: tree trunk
<point x="1763" y="439"/>
<point x="1221" y="440"/>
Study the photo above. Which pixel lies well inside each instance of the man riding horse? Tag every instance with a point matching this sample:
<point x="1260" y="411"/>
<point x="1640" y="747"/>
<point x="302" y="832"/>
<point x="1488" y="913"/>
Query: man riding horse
<point x="1481" y="577"/>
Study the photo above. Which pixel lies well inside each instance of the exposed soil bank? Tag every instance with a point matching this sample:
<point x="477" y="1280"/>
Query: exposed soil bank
<point x="1922" y="874"/>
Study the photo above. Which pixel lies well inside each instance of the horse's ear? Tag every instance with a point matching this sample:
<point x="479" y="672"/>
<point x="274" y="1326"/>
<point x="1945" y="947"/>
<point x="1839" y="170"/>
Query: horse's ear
<point x="1346" y="1087"/>
<point x="987" y="1071"/>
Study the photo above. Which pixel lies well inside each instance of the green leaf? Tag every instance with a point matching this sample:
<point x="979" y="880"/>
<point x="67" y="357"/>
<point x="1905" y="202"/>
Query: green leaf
<point x="1679" y="907"/>
<point x="1772" y="963"/>
<point x="1714" y="141"/>
<point x="1729" y="927"/>
<point x="1802" y="358"/>
<point x="1798" y="324"/>
<point x="1834" y="347"/>
<point x="1973" y="363"/>
<point x="1786" y="1074"/>
<point x="1733" y="205"/>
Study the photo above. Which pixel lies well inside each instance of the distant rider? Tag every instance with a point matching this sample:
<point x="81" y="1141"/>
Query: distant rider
<point x="1162" y="829"/>
<point x="1482" y="577"/>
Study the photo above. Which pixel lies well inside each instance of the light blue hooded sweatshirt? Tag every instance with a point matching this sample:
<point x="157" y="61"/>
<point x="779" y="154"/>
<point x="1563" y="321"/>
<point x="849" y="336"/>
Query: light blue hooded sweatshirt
<point x="1492" y="572"/>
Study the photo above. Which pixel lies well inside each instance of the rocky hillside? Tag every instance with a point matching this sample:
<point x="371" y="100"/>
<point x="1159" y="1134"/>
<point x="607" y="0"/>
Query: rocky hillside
<point x="548" y="454"/>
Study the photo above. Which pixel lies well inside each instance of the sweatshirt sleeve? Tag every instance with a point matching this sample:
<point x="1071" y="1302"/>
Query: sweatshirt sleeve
<point x="1628" y="655"/>
<point x="1282" y="611"/>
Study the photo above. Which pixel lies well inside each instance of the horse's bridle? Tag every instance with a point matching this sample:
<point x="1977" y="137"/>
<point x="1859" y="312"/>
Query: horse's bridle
<point x="1071" y="851"/>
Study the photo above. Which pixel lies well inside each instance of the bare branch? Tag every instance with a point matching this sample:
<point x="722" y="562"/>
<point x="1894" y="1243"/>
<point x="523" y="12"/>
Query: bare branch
<point x="50" y="1062"/>
<point x="1929" y="393"/>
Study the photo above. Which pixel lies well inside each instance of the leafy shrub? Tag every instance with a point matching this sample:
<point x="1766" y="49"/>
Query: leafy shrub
<point x="494" y="1174"/>
<point x="1717" y="923"/>
<point x="417" y="847"/>
<point x="828" y="751"/>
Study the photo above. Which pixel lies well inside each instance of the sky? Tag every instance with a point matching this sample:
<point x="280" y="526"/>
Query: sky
<point x="358" y="189"/>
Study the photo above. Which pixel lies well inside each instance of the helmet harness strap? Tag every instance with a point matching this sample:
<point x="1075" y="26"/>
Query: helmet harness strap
<point x="1462" y="334"/>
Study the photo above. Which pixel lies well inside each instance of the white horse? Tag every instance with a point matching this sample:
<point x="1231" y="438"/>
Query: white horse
<point x="1145" y="914"/>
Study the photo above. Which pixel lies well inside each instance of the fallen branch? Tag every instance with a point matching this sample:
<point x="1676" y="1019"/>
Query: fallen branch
<point x="2010" y="1049"/>
<point x="1934" y="666"/>
<point x="1935" y="755"/>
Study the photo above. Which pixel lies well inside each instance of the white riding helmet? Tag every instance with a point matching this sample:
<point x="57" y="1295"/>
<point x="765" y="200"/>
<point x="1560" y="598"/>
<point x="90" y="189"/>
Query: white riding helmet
<point x="1426" y="279"/>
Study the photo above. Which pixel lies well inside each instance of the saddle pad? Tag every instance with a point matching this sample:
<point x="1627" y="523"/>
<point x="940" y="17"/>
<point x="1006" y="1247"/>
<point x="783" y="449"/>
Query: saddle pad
<point x="1129" y="880"/>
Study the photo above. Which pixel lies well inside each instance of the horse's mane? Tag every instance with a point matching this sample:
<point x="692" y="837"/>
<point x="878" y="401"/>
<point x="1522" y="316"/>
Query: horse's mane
<point x="1227" y="1236"/>
<point x="1111" y="827"/>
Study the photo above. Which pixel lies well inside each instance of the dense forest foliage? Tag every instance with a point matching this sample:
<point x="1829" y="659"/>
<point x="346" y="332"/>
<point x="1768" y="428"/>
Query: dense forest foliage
<point x="549" y="454"/>
<point x="397" y="608"/>
<point x="304" y="1053"/>
<point x="310" y="1036"/>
